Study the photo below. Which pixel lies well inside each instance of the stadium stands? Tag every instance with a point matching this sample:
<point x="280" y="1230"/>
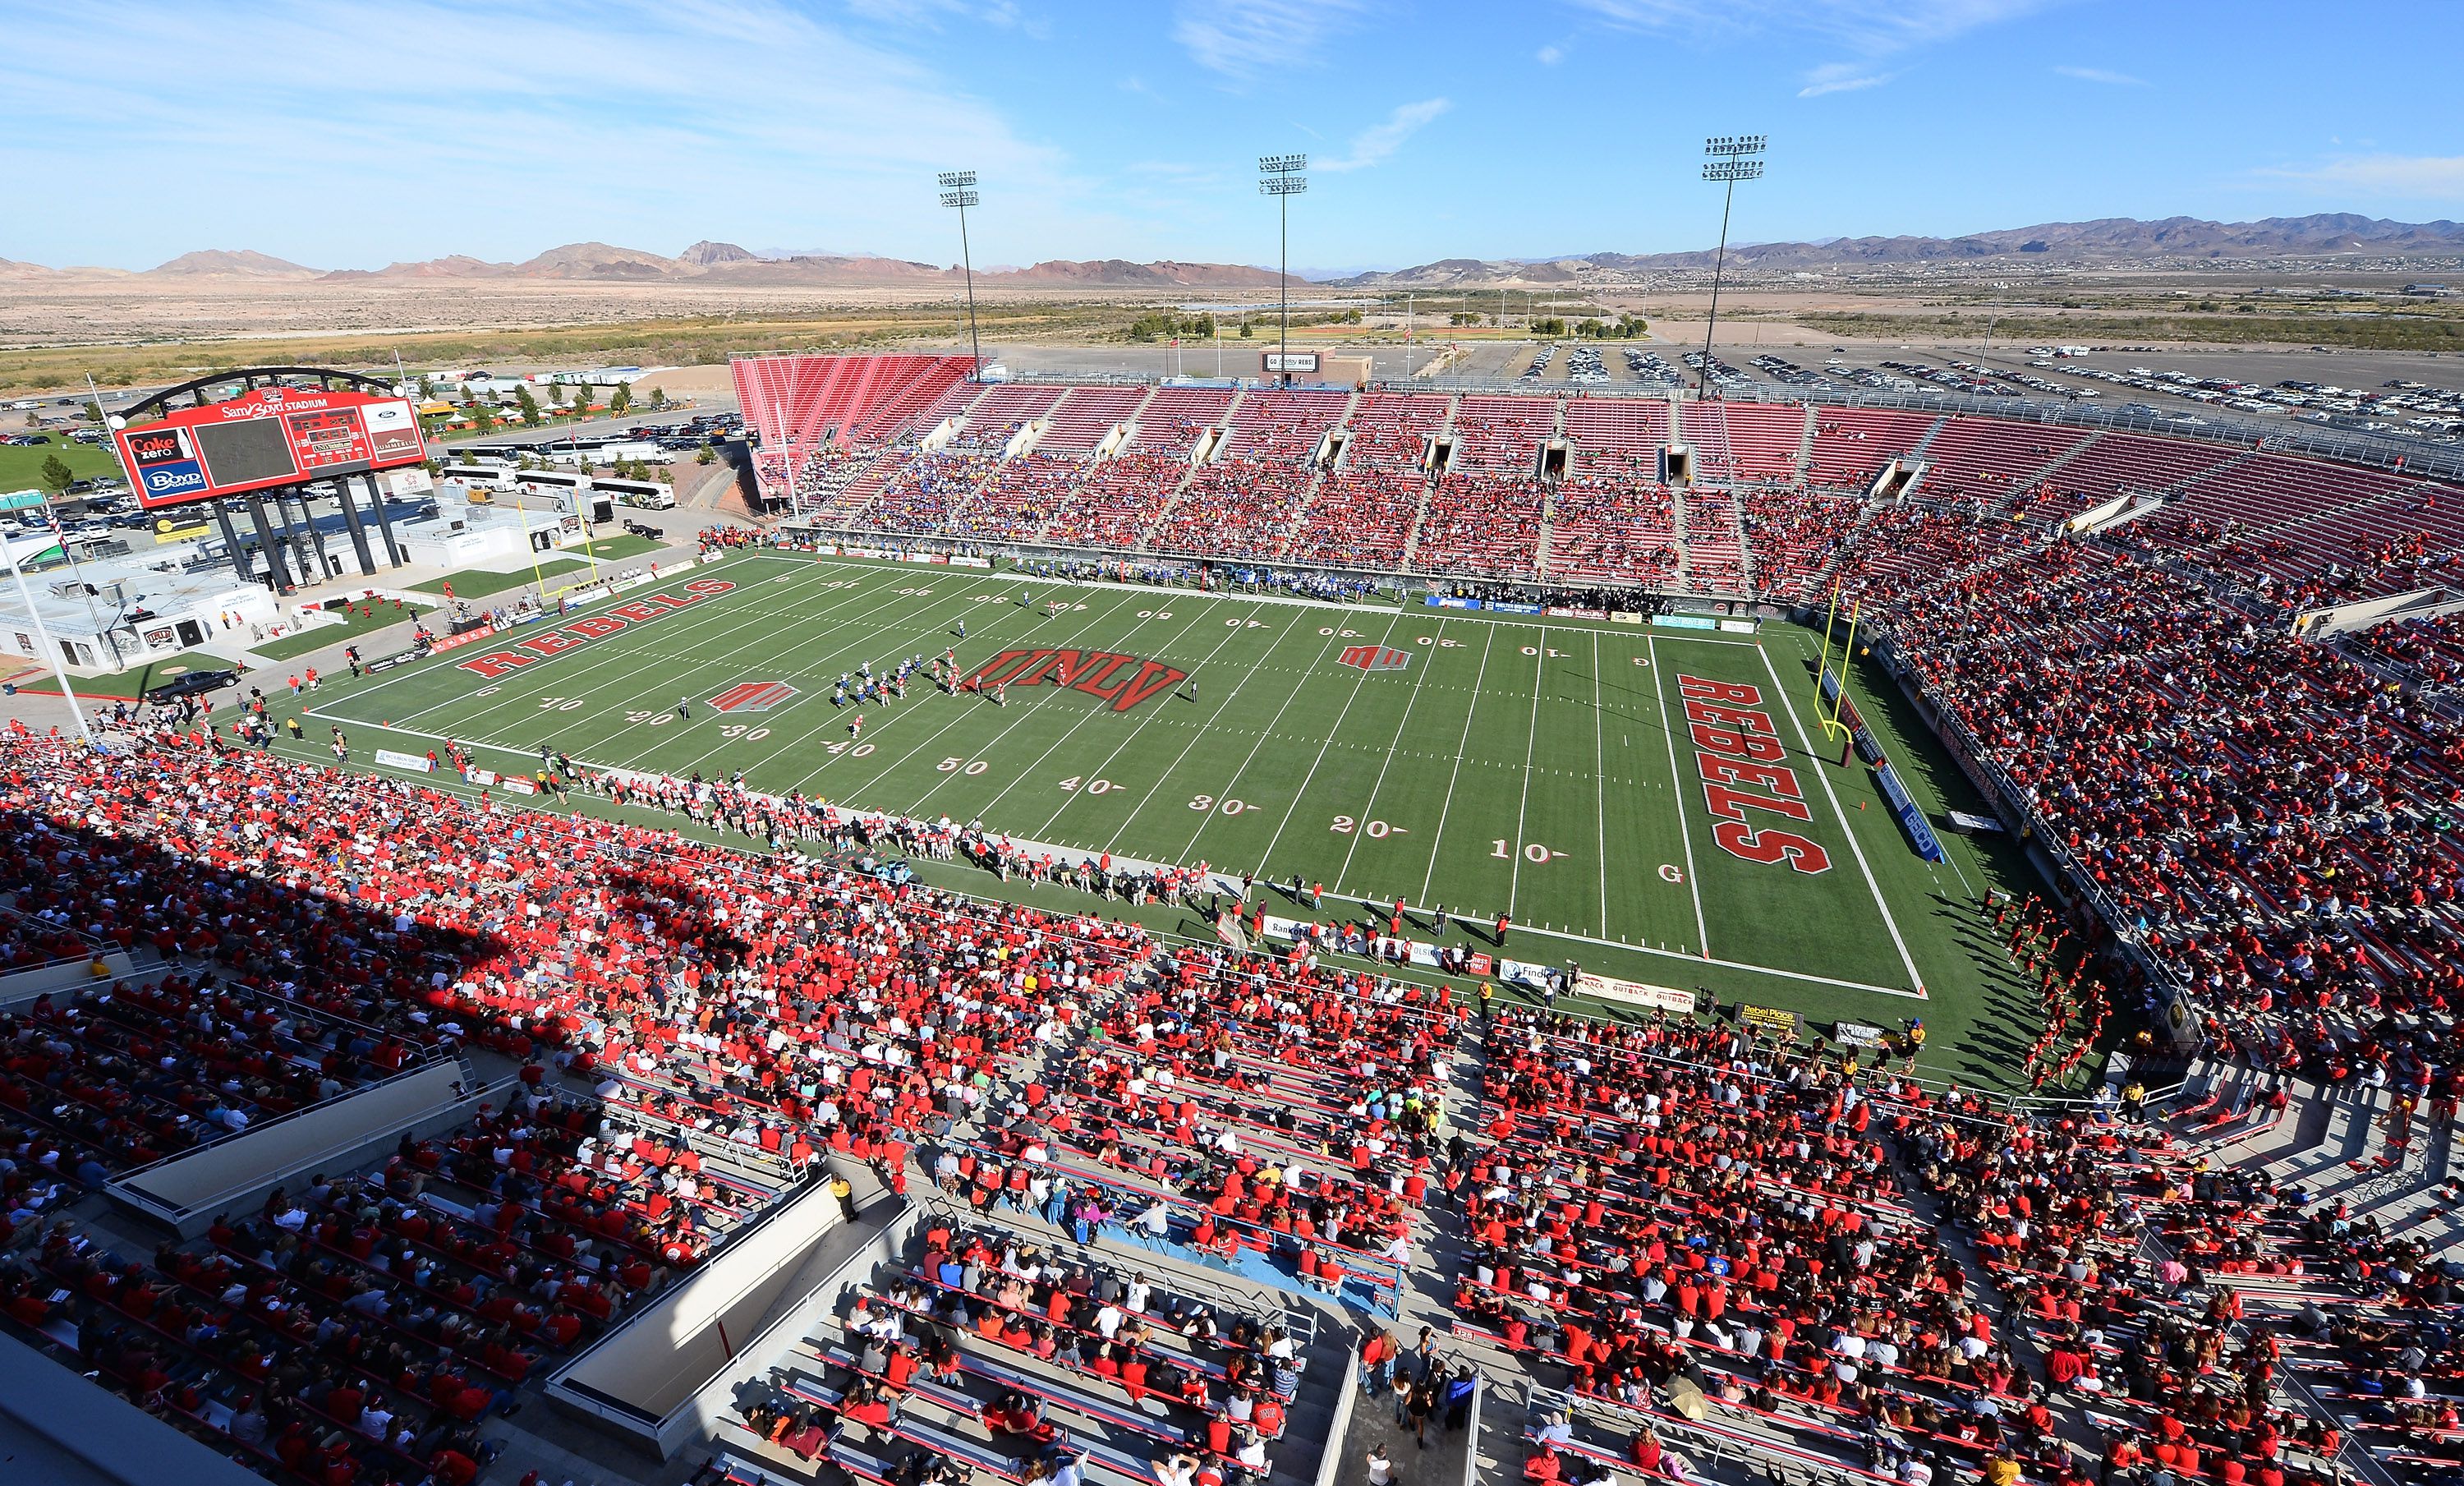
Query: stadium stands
<point x="1611" y="437"/>
<point x="1175" y="418"/>
<point x="1243" y="500"/>
<point x="1612" y="529"/>
<point x="798" y="402"/>
<point x="1143" y="1174"/>
<point x="1851" y="445"/>
<point x="1763" y="440"/>
<point x="1483" y="524"/>
<point x="1086" y="416"/>
<point x="1994" y="459"/>
<point x="1715" y="547"/>
<point x="2114" y="464"/>
<point x="1502" y="435"/>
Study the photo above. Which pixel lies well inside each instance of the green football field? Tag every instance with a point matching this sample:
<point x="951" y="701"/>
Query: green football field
<point x="1544" y="768"/>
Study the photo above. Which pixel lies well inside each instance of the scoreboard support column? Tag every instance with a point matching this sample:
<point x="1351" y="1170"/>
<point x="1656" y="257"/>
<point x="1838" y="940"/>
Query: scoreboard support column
<point x="326" y="567"/>
<point x="232" y="547"/>
<point x="384" y="523"/>
<point x="275" y="564"/>
<point x="295" y="552"/>
<point x="351" y="520"/>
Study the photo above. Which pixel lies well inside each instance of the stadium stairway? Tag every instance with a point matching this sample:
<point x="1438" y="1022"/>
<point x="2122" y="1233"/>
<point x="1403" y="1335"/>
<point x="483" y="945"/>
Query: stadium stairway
<point x="1683" y="574"/>
<point x="1804" y="460"/>
<point x="1419" y="513"/>
<point x="1548" y="511"/>
<point x="2332" y="1142"/>
<point x="2059" y="460"/>
<point x="1746" y="555"/>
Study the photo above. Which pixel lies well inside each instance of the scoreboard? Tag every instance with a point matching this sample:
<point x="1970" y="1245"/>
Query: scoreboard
<point x="275" y="435"/>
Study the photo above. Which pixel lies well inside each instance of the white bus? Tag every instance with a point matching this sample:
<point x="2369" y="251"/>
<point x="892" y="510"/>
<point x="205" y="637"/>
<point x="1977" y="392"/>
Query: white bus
<point x="555" y="481"/>
<point x="491" y="477"/>
<point x="648" y="495"/>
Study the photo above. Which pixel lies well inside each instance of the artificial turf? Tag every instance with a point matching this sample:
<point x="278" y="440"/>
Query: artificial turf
<point x="472" y="583"/>
<point x="357" y="620"/>
<point x="1537" y="766"/>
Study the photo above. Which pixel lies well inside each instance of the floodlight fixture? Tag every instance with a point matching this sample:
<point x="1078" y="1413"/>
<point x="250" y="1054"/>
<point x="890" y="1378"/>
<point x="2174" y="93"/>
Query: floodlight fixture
<point x="1280" y="176"/>
<point x="959" y="189"/>
<point x="1728" y="159"/>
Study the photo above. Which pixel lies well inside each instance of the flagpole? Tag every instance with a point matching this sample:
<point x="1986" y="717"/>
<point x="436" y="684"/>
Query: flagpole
<point x="43" y="640"/>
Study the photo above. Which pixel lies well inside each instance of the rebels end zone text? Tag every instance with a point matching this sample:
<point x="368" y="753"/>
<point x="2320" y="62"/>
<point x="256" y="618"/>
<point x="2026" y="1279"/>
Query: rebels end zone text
<point x="581" y="631"/>
<point x="1741" y="748"/>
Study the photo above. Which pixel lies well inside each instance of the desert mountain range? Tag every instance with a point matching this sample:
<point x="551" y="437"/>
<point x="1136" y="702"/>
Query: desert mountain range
<point x="2105" y="240"/>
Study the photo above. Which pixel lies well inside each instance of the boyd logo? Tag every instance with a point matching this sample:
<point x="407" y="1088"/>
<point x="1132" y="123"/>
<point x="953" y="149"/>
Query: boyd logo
<point x="1373" y="657"/>
<point x="171" y="479"/>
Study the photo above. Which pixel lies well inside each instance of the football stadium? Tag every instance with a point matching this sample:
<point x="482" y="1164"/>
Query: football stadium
<point x="1342" y="924"/>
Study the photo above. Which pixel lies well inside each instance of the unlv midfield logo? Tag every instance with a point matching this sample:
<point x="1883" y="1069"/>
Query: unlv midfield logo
<point x="1374" y="657"/>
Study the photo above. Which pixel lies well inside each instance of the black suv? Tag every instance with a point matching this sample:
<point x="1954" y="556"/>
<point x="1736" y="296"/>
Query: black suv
<point x="190" y="685"/>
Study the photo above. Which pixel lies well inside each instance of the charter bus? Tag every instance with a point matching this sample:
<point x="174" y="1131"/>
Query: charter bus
<point x="556" y="481"/>
<point x="649" y="495"/>
<point x="491" y="477"/>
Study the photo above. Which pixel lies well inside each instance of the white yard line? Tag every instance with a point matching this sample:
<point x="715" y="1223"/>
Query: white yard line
<point x="1464" y="742"/>
<point x="1086" y="716"/>
<point x="1677" y="789"/>
<point x="551" y="675"/>
<point x="1846" y="829"/>
<point x="621" y="660"/>
<point x="1729" y="964"/>
<point x="760" y="654"/>
<point x="1220" y="707"/>
<point x="1599" y="779"/>
<point x="959" y="714"/>
<point x="1268" y="854"/>
<point x="1531" y="750"/>
<point x="1123" y="746"/>
<point x="1233" y="778"/>
<point x="1361" y="826"/>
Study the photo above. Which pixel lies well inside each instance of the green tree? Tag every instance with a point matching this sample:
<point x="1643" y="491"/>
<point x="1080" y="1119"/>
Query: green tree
<point x="556" y="391"/>
<point x="56" y="474"/>
<point x="93" y="412"/>
<point x="1246" y="331"/>
<point x="469" y="456"/>
<point x="708" y="455"/>
<point x="483" y="416"/>
<point x="658" y="397"/>
<point x="528" y="404"/>
<point x="622" y="399"/>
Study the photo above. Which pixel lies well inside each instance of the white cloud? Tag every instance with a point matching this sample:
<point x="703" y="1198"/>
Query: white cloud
<point x="1373" y="144"/>
<point x="542" y="107"/>
<point x="930" y="14"/>
<point x="1551" y="55"/>
<point x="2436" y="178"/>
<point x="2105" y="75"/>
<point x="1874" y="27"/>
<point x="1245" y="39"/>
<point x="1869" y="31"/>
<point x="1841" y="78"/>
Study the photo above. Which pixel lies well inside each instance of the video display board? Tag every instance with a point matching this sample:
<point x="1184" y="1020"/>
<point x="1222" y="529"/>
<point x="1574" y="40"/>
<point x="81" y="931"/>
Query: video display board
<point x="275" y="435"/>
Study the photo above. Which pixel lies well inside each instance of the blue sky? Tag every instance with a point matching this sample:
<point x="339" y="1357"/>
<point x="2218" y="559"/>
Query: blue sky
<point x="352" y="134"/>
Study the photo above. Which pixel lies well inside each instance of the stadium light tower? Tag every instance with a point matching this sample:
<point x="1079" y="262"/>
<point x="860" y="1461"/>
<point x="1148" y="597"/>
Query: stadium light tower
<point x="959" y="189"/>
<point x="1280" y="176"/>
<point x="1727" y="158"/>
